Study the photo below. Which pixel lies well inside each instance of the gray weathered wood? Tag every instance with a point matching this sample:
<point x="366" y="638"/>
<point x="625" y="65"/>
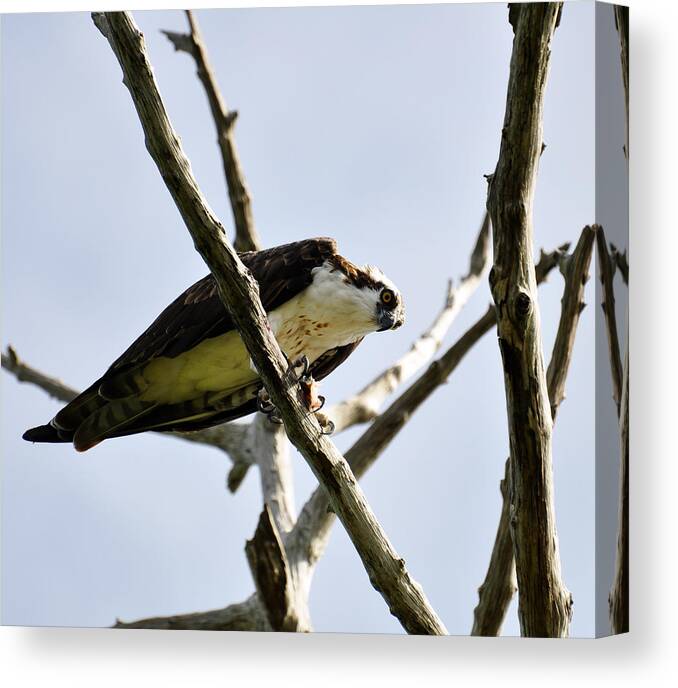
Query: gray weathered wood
<point x="607" y="267"/>
<point x="246" y="235"/>
<point x="497" y="590"/>
<point x="619" y="594"/>
<point x="242" y="616"/>
<point x="545" y="605"/>
<point x="272" y="575"/>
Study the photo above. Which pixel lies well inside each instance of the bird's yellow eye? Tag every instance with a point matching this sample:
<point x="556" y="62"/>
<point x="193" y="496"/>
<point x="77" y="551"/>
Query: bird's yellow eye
<point x="388" y="298"/>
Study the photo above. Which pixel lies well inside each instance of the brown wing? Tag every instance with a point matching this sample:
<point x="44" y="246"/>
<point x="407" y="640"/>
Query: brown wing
<point x="282" y="272"/>
<point x="326" y="363"/>
<point x="197" y="314"/>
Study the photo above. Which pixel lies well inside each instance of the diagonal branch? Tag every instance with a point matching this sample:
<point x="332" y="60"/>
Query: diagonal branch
<point x="497" y="590"/>
<point x="365" y="405"/>
<point x="607" y="269"/>
<point x="545" y="605"/>
<point x="575" y="271"/>
<point x="24" y="373"/>
<point x="246" y="235"/>
<point x="239" y="293"/>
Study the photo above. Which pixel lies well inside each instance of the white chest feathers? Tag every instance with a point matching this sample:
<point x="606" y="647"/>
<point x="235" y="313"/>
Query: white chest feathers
<point x="329" y="313"/>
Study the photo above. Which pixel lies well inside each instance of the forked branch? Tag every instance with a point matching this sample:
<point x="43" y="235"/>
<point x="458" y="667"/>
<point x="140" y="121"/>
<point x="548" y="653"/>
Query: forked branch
<point x="246" y="235"/>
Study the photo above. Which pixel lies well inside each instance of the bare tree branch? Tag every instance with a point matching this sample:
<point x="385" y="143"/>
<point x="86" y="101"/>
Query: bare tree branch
<point x="544" y="602"/>
<point x="239" y="292"/>
<point x="621" y="20"/>
<point x="619" y="594"/>
<point x="246" y="235"/>
<point x="24" y="373"/>
<point x="500" y="584"/>
<point x="365" y="405"/>
<point x="575" y="271"/>
<point x="271" y="572"/>
<point x="497" y="590"/>
<point x="621" y="261"/>
<point x="607" y="268"/>
<point x="242" y="616"/>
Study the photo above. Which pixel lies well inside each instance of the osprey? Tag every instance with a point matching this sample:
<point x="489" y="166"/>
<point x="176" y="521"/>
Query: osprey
<point x="190" y="369"/>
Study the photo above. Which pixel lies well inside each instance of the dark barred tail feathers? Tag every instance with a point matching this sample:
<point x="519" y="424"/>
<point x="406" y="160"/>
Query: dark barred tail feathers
<point x="46" y="433"/>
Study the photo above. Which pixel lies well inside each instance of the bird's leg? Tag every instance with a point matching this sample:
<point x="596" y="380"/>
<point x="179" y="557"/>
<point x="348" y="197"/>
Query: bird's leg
<point x="309" y="394"/>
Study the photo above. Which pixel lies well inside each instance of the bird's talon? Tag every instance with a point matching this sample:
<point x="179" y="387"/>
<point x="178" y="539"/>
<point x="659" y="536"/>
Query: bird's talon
<point x="328" y="430"/>
<point x="264" y="403"/>
<point x="274" y="418"/>
<point x="321" y="401"/>
<point x="305" y="365"/>
<point x="327" y="427"/>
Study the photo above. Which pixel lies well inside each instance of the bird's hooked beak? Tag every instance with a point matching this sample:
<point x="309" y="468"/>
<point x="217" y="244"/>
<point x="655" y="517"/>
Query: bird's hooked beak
<point x="389" y="319"/>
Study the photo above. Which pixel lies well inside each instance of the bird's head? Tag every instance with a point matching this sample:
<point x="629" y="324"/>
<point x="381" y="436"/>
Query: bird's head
<point x="388" y="307"/>
<point x="362" y="295"/>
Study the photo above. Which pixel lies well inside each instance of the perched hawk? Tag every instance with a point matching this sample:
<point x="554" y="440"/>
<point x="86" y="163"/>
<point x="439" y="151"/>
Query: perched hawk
<point x="190" y="369"/>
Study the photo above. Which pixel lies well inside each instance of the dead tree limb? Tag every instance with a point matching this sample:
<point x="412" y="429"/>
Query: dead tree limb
<point x="497" y="590"/>
<point x="545" y="605"/>
<point x="246" y="235"/>
<point x="621" y="260"/>
<point x="575" y="271"/>
<point x="621" y="20"/>
<point x="24" y="373"/>
<point x="500" y="584"/>
<point x="239" y="293"/>
<point x="607" y="269"/>
<point x="619" y="594"/>
<point x="272" y="575"/>
<point x="242" y="616"/>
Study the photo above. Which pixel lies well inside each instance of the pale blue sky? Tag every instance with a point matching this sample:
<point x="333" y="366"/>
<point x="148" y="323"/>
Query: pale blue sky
<point x="374" y="125"/>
